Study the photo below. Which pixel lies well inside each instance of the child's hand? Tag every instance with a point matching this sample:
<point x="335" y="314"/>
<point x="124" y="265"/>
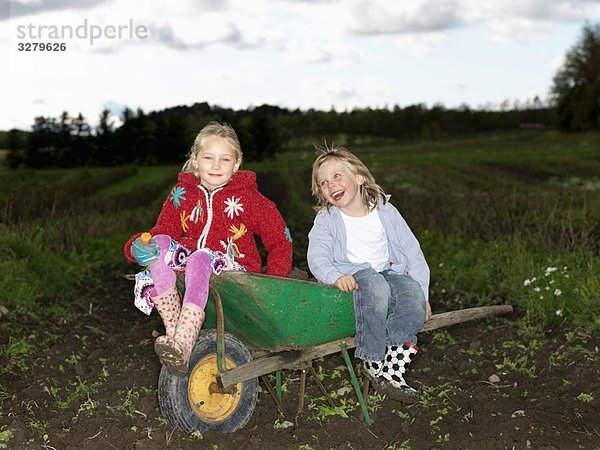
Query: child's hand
<point x="427" y="311"/>
<point x="144" y="250"/>
<point x="346" y="283"/>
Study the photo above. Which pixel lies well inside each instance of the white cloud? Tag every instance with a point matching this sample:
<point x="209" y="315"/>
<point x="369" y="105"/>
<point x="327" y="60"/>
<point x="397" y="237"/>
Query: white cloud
<point x="521" y="20"/>
<point x="534" y="10"/>
<point x="210" y="33"/>
<point x="454" y="84"/>
<point x="14" y="8"/>
<point x="341" y="93"/>
<point x="315" y="2"/>
<point x="385" y="17"/>
<point x="322" y="52"/>
<point x="517" y="30"/>
<point x="374" y="87"/>
<point x="421" y="45"/>
<point x="340" y="90"/>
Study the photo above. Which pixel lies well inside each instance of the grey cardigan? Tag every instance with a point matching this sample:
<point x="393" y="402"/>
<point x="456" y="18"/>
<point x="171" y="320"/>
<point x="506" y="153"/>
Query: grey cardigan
<point x="328" y="255"/>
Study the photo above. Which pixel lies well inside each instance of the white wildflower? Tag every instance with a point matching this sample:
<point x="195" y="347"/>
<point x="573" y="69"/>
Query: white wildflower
<point x="441" y="264"/>
<point x="526" y="282"/>
<point x="551" y="282"/>
<point x="536" y="289"/>
<point x="547" y="288"/>
<point x="549" y="270"/>
<point x="557" y="292"/>
<point x="559" y="312"/>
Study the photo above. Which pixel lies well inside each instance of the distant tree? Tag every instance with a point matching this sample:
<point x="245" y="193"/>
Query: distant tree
<point x="537" y="103"/>
<point x="175" y="143"/>
<point x="105" y="152"/>
<point x="127" y="114"/>
<point x="261" y="137"/>
<point x="144" y="132"/>
<point x="80" y="126"/>
<point x="105" y="126"/>
<point x="577" y="84"/>
<point x="63" y="152"/>
<point x="16" y="141"/>
<point x="81" y="137"/>
<point x="125" y="137"/>
<point x="42" y="144"/>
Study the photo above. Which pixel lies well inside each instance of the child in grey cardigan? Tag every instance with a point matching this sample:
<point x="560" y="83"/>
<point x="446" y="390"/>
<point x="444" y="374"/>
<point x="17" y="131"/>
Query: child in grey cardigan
<point x="361" y="243"/>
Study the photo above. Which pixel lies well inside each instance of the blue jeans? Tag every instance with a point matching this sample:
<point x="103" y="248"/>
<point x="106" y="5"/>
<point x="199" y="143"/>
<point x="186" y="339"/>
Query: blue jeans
<point x="375" y="328"/>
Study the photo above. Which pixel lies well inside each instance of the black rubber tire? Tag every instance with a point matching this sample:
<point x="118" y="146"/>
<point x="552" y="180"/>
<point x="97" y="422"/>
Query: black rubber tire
<point x="173" y="389"/>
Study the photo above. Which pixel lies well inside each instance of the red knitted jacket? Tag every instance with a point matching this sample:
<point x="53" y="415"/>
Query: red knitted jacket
<point x="229" y="215"/>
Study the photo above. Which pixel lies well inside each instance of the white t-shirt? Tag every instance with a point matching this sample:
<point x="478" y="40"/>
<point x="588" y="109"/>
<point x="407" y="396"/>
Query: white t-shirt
<point x="367" y="241"/>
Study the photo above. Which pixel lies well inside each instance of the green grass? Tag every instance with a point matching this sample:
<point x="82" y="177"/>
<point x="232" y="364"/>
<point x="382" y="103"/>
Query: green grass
<point x="550" y="286"/>
<point x="27" y="273"/>
<point x="144" y="176"/>
<point x="491" y="211"/>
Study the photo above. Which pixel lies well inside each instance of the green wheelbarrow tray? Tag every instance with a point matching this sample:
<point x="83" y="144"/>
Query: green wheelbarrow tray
<point x="275" y="314"/>
<point x="285" y="322"/>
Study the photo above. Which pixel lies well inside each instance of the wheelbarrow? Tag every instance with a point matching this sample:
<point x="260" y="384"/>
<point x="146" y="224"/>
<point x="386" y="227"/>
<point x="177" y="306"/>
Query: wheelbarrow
<point x="259" y="324"/>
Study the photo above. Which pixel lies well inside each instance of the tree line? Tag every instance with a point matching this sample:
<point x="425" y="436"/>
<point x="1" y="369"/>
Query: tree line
<point x="165" y="137"/>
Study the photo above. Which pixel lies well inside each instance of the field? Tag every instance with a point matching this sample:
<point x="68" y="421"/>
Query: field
<point x="504" y="218"/>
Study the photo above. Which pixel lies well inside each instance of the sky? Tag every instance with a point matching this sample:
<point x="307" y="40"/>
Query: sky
<point x="321" y="54"/>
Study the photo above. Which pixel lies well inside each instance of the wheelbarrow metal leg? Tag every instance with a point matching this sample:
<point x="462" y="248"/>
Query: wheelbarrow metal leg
<point x="365" y="391"/>
<point x="321" y="387"/>
<point x="265" y="380"/>
<point x="359" y="394"/>
<point x="278" y="379"/>
<point x="308" y="366"/>
<point x="302" y="389"/>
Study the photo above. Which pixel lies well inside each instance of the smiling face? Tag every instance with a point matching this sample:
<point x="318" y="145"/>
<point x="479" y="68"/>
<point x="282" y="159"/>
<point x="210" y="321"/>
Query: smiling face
<point x="341" y="187"/>
<point x="216" y="162"/>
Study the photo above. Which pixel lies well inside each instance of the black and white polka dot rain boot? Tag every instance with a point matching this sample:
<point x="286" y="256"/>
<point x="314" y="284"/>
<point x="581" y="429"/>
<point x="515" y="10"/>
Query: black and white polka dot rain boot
<point x="394" y="367"/>
<point x="372" y="370"/>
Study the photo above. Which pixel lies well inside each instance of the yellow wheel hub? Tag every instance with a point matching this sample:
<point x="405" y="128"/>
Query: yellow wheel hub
<point x="211" y="403"/>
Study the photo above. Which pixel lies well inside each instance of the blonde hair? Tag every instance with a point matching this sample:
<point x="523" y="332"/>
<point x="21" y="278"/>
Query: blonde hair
<point x="370" y="191"/>
<point x="218" y="129"/>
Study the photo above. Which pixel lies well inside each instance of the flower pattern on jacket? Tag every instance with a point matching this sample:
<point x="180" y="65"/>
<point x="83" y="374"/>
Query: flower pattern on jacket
<point x="184" y="218"/>
<point x="231" y="248"/>
<point x="233" y="206"/>
<point x="178" y="195"/>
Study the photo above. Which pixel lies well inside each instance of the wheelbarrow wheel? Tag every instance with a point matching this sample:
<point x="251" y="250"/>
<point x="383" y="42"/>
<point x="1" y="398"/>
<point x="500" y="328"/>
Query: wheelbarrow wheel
<point x="195" y="402"/>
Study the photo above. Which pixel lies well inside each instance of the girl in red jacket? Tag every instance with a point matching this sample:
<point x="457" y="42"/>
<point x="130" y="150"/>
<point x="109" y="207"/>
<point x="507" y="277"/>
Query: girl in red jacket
<point x="207" y="224"/>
